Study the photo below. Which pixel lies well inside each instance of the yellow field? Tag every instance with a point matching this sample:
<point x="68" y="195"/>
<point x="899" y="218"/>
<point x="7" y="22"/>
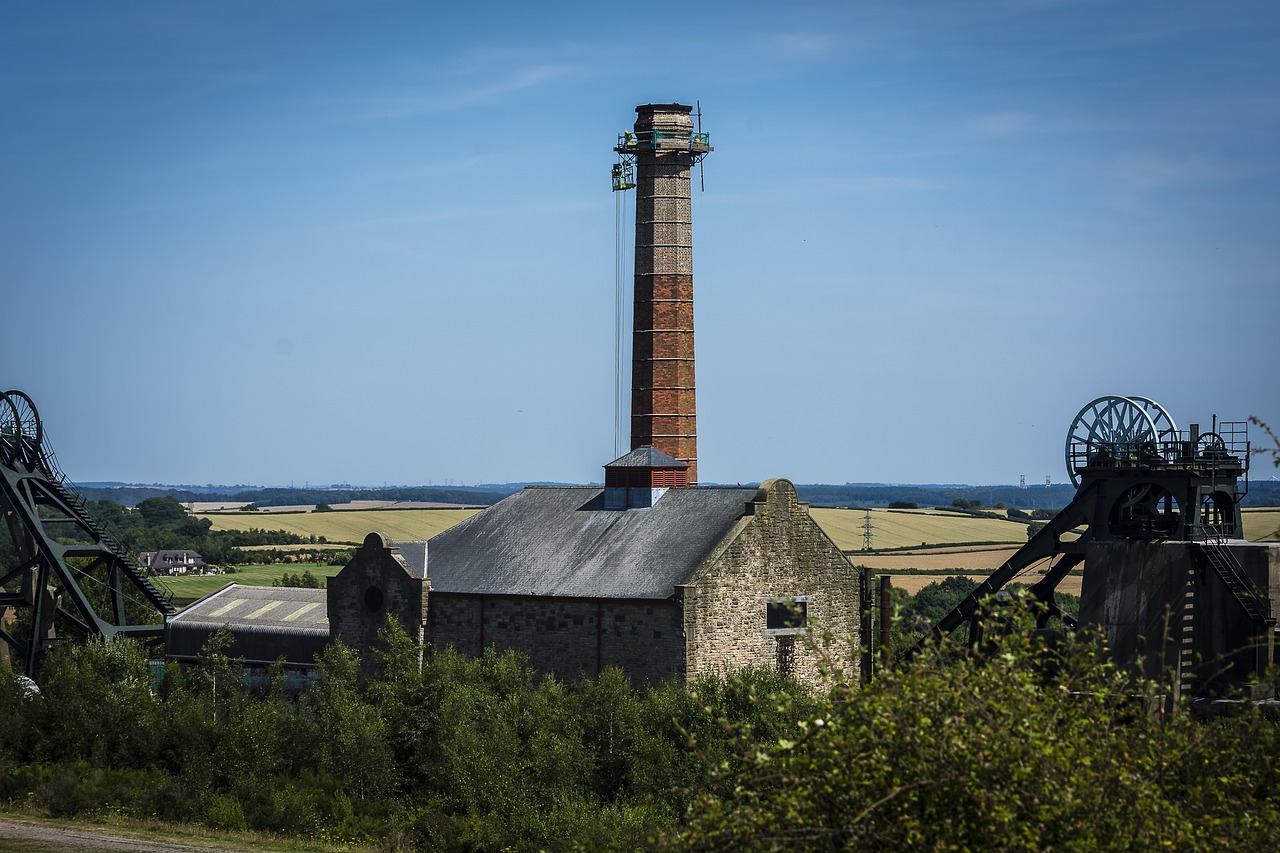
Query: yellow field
<point x="348" y="526"/>
<point x="892" y="528"/>
<point x="1261" y="524"/>
<point x="899" y="529"/>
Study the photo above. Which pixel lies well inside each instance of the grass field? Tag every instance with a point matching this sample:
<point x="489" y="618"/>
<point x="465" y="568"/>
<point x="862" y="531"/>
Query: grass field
<point x="348" y="526"/>
<point x="188" y="588"/>
<point x="899" y="529"/>
<point x="1261" y="524"/>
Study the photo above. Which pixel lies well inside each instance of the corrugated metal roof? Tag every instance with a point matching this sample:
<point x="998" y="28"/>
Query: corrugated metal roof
<point x="267" y="622"/>
<point x="560" y="541"/>
<point x="277" y="607"/>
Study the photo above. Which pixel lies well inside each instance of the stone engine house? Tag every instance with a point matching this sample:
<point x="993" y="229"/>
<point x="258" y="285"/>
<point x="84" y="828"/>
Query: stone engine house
<point x="699" y="581"/>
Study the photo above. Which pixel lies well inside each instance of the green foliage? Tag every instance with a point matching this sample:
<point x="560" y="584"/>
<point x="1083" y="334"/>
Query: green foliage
<point x="94" y="705"/>
<point x="903" y="505"/>
<point x="1034" y="527"/>
<point x="990" y="754"/>
<point x="1028" y="747"/>
<point x="340" y="557"/>
<point x="323" y="507"/>
<point x="306" y="580"/>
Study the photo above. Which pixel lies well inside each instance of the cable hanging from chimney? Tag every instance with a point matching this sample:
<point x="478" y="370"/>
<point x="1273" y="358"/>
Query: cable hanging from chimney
<point x="619" y="291"/>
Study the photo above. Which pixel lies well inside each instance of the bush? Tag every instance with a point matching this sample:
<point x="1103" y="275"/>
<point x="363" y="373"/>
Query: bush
<point x="991" y="752"/>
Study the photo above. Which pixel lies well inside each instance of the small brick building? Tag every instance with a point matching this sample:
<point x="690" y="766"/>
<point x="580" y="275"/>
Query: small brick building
<point x="662" y="581"/>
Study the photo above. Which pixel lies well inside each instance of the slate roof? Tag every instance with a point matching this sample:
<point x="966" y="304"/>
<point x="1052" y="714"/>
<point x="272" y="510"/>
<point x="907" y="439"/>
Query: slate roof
<point x="647" y="457"/>
<point x="560" y="541"/>
<point x="414" y="554"/>
<point x="267" y="621"/>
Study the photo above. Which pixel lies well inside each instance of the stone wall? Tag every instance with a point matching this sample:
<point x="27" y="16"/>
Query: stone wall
<point x="564" y="636"/>
<point x="375" y="585"/>
<point x="776" y="551"/>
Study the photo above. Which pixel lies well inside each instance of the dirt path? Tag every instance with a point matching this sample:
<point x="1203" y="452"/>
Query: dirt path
<point x="28" y="837"/>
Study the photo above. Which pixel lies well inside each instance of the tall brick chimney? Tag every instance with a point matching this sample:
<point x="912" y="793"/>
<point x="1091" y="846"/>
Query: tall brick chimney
<point x="663" y="406"/>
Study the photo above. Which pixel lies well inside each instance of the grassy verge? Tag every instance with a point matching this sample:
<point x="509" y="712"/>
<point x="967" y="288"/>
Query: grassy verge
<point x="22" y="832"/>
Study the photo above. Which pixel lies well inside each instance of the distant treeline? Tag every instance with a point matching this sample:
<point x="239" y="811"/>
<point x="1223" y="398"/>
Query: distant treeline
<point x="1056" y="496"/>
<point x="133" y="495"/>
<point x="1032" y="497"/>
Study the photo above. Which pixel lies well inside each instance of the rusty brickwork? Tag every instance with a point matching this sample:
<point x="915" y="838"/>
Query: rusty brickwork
<point x="663" y="406"/>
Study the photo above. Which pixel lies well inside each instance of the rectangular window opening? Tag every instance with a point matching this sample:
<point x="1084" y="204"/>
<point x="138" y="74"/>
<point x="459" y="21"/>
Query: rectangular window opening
<point x="786" y="615"/>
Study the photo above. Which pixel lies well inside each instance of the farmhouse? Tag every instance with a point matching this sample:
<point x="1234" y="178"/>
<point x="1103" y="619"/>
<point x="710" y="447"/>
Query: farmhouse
<point x="171" y="562"/>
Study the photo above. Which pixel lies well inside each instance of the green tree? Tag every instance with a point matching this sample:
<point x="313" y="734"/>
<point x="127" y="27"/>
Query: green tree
<point x="162" y="512"/>
<point x="344" y="735"/>
<point x="94" y="705"/>
<point x="990" y="753"/>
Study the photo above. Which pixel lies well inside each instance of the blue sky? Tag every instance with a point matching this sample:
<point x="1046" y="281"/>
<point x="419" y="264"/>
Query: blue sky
<point x="320" y="242"/>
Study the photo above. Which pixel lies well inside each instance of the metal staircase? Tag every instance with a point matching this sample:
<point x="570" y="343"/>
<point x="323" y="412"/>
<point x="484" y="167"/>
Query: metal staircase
<point x="1255" y="603"/>
<point x="109" y="540"/>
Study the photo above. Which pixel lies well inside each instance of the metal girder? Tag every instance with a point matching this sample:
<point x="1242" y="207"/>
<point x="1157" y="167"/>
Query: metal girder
<point x="1046" y="543"/>
<point x="74" y="576"/>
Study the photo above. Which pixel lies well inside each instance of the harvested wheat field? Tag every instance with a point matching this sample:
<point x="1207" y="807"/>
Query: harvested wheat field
<point x="892" y="528"/>
<point x="350" y="526"/>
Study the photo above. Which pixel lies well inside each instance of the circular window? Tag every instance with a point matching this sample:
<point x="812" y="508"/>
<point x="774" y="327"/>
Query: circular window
<point x="373" y="599"/>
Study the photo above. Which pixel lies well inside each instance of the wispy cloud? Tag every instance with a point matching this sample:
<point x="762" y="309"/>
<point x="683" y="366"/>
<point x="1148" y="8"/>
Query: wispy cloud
<point x="884" y="184"/>
<point x="1138" y="175"/>
<point x="1007" y="123"/>
<point x="804" y="45"/>
<point x="434" y="97"/>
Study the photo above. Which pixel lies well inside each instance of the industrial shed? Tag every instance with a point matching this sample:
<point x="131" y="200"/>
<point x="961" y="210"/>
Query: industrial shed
<point x="267" y="623"/>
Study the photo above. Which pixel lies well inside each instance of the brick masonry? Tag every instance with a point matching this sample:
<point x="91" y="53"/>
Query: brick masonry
<point x="663" y="398"/>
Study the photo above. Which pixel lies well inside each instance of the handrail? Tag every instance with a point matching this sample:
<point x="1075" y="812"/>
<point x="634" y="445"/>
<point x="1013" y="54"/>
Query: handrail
<point x="1214" y="543"/>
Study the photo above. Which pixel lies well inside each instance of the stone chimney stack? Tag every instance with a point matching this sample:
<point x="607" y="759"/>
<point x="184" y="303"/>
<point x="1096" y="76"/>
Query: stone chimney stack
<point x="663" y="407"/>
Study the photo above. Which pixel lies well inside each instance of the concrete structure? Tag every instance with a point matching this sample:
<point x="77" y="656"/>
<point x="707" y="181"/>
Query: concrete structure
<point x="663" y="405"/>
<point x="1164" y="608"/>
<point x="1156" y="523"/>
